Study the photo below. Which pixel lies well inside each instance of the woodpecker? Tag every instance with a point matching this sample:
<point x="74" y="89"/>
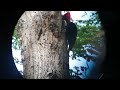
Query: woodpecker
<point x="71" y="30"/>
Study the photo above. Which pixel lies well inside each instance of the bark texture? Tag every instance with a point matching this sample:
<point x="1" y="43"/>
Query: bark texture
<point x="43" y="44"/>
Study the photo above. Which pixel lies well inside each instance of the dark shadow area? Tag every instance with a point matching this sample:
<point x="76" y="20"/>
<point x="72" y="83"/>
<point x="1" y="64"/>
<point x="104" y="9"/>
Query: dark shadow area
<point x="8" y="20"/>
<point x="111" y="64"/>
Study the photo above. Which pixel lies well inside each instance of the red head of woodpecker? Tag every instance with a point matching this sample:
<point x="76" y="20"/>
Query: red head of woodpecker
<point x="67" y="17"/>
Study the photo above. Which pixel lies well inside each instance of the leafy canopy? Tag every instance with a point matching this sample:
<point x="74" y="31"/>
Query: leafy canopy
<point x="89" y="35"/>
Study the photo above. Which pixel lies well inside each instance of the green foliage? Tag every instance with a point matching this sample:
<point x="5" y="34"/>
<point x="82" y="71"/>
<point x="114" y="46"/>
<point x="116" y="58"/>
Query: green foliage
<point x="15" y="41"/>
<point x="88" y="34"/>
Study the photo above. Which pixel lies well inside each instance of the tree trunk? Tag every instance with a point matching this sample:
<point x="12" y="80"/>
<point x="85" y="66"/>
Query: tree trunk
<point x="43" y="43"/>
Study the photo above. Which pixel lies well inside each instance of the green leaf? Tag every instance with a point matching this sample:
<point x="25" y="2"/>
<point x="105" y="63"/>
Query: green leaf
<point x="88" y="34"/>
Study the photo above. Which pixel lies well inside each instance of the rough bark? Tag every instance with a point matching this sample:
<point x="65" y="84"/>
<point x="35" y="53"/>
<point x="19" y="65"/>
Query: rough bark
<point x="43" y="44"/>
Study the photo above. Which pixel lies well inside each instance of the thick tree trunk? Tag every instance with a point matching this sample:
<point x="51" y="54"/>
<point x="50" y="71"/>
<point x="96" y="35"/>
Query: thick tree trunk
<point x="43" y="44"/>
